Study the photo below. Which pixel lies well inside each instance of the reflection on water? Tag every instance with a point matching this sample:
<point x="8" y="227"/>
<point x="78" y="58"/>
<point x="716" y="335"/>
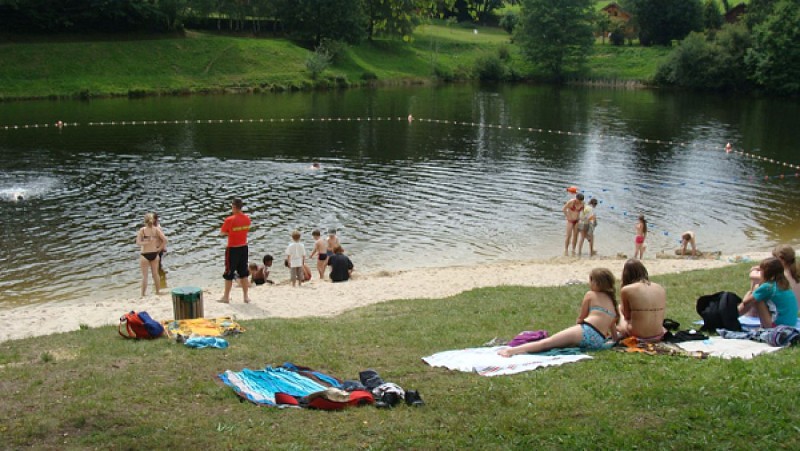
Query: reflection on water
<point x="401" y="194"/>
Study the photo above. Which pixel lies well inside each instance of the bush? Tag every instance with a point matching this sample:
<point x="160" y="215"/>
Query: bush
<point x="369" y="75"/>
<point x="318" y="61"/>
<point x="336" y="49"/>
<point x="713" y="61"/>
<point x="509" y="21"/>
<point x="504" y="53"/>
<point x="490" y="68"/>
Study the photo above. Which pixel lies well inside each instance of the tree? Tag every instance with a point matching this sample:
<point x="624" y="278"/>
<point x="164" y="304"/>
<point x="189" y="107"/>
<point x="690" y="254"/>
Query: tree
<point x="662" y="21"/>
<point x="556" y="37"/>
<point x="714" y="61"/>
<point x="481" y="10"/>
<point x="316" y="20"/>
<point x="602" y="24"/>
<point x="392" y="17"/>
<point x="775" y="55"/>
<point x="712" y="17"/>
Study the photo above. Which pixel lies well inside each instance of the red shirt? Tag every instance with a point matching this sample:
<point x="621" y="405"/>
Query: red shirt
<point x="236" y="226"/>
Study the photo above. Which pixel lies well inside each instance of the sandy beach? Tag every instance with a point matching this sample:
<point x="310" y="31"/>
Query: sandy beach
<point x="318" y="298"/>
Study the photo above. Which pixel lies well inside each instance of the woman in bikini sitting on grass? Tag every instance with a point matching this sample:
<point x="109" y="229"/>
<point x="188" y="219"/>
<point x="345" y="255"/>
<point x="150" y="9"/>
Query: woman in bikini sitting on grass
<point x="643" y="304"/>
<point x="597" y="321"/>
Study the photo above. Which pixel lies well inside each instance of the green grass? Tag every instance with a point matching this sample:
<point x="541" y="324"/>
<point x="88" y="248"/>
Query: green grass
<point x="202" y="62"/>
<point x="609" y="62"/>
<point x="95" y="389"/>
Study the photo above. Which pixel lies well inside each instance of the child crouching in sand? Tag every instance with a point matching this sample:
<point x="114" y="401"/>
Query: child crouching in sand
<point x="597" y="321"/>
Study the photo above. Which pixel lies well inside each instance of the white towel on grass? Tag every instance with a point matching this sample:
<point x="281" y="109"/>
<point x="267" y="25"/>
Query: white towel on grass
<point x="728" y="348"/>
<point x="486" y="362"/>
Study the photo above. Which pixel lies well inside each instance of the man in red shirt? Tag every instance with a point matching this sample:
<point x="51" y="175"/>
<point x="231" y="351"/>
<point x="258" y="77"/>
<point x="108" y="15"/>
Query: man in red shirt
<point x="235" y="228"/>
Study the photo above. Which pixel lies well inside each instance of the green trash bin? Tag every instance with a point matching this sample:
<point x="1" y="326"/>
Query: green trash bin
<point x="187" y="303"/>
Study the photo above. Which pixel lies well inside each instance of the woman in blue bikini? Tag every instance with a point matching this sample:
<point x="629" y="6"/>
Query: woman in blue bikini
<point x="597" y="321"/>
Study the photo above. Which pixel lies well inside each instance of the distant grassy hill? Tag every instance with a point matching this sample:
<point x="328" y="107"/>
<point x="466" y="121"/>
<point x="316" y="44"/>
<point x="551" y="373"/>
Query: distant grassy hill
<point x="200" y="62"/>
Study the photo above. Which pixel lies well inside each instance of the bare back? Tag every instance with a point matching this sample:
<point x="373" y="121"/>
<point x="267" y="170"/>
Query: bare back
<point x="598" y="310"/>
<point x="151" y="239"/>
<point x="320" y="247"/>
<point x="643" y="306"/>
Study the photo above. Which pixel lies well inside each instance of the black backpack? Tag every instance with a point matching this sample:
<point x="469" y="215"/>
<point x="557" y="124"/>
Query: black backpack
<point x="719" y="311"/>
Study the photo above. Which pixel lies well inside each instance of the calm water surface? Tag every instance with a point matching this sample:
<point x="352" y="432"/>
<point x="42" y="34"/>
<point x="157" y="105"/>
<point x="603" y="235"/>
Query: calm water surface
<point x="403" y="195"/>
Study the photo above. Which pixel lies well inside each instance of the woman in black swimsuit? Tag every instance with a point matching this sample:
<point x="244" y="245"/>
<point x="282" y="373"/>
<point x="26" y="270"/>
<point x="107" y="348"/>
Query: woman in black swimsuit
<point x="152" y="242"/>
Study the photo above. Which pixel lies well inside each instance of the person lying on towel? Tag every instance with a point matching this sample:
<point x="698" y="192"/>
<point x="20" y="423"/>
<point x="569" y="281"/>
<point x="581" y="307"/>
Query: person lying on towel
<point x="597" y="321"/>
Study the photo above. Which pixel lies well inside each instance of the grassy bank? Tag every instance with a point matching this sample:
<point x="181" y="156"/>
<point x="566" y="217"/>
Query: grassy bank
<point x="91" y="388"/>
<point x="199" y="62"/>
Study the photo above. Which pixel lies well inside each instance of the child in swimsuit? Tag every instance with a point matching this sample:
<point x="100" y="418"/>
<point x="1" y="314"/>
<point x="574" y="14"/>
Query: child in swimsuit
<point x="572" y="212"/>
<point x="321" y="251"/>
<point x="597" y="322"/>
<point x="641" y="234"/>
<point x="257" y="274"/>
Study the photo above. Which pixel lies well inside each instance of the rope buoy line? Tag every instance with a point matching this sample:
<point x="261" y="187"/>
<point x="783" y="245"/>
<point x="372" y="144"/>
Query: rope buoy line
<point x="727" y="148"/>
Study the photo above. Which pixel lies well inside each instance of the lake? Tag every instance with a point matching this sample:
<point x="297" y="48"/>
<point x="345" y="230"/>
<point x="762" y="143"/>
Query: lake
<point x="478" y="176"/>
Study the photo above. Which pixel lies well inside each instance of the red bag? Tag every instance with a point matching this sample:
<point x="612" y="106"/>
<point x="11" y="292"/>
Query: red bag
<point x="139" y="325"/>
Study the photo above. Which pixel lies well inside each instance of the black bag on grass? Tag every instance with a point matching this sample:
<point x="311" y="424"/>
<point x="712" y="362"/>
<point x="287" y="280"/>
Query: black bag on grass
<point x="719" y="311"/>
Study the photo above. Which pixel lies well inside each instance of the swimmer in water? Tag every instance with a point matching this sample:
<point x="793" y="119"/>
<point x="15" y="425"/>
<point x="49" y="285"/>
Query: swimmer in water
<point x="315" y="166"/>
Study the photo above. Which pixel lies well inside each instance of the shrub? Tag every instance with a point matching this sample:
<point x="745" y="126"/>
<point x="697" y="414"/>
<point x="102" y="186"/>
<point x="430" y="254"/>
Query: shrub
<point x="714" y="61"/>
<point x="490" y="68"/>
<point x="335" y="48"/>
<point x="504" y="53"/>
<point x="509" y="21"/>
<point x="318" y="61"/>
<point x="369" y="75"/>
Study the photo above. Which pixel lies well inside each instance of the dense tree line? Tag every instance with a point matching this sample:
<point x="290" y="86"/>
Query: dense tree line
<point x="556" y="36"/>
<point x="348" y="20"/>
<point x="762" y="53"/>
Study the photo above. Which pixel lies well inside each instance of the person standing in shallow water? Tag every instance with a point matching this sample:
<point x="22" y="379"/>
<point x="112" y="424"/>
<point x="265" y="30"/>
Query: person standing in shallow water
<point x="152" y="242"/>
<point x="572" y="213"/>
<point x="235" y="228"/>
<point x="641" y="234"/>
<point x="586" y="227"/>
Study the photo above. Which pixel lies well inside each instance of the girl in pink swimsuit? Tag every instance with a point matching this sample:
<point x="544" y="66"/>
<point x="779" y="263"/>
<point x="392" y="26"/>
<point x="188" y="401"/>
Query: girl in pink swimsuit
<point x="641" y="234"/>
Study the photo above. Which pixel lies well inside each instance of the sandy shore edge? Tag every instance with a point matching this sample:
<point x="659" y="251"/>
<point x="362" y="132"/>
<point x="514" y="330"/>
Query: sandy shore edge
<point x="318" y="298"/>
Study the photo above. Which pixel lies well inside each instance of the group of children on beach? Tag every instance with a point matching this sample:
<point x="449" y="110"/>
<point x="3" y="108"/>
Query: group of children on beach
<point x="774" y="298"/>
<point x="582" y="220"/>
<point x="327" y="250"/>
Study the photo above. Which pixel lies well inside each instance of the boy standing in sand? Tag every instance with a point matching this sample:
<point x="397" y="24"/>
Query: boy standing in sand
<point x="586" y="227"/>
<point x="321" y="251"/>
<point x="296" y="257"/>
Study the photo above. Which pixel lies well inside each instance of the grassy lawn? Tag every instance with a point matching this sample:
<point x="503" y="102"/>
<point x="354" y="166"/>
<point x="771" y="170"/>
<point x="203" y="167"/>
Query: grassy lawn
<point x="91" y="388"/>
<point x="201" y="62"/>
